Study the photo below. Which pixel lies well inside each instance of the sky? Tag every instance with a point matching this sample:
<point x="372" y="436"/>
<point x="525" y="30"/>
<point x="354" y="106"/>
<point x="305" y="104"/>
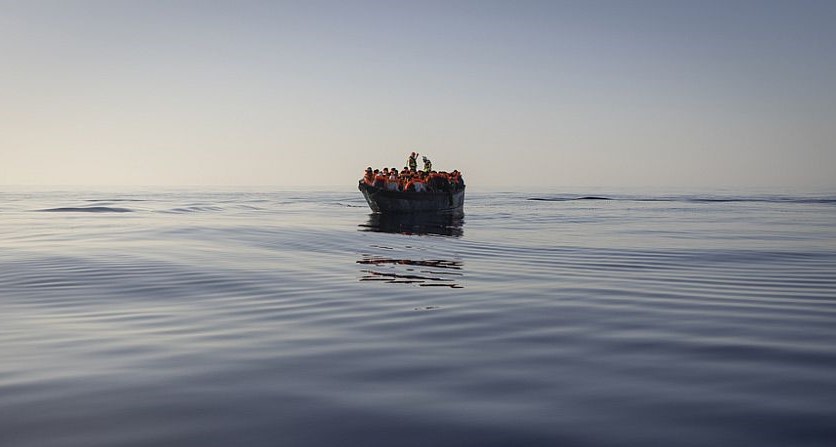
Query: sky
<point x="538" y="94"/>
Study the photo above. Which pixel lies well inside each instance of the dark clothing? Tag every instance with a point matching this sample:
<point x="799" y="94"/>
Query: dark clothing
<point x="439" y="183"/>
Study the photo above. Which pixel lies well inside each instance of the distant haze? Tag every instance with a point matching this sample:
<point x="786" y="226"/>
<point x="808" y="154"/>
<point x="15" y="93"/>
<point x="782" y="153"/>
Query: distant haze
<point x="530" y="94"/>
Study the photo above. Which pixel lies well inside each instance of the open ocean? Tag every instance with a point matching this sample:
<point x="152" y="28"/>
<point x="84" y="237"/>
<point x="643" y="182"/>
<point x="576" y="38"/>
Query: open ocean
<point x="165" y="317"/>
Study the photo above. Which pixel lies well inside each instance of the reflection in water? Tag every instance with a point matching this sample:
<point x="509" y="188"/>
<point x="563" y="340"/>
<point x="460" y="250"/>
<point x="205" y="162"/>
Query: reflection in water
<point x="425" y="273"/>
<point x="418" y="224"/>
<point x="398" y="268"/>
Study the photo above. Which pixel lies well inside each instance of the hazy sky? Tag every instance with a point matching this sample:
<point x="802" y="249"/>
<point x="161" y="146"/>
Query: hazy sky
<point x="538" y="94"/>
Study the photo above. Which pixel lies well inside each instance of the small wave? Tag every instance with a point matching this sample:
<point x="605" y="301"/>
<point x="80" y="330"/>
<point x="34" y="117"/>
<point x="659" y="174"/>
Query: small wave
<point x="87" y="209"/>
<point x="194" y="209"/>
<point x="568" y="199"/>
<point x="826" y="201"/>
<point x="115" y="200"/>
<point x="687" y="199"/>
<point x="249" y="207"/>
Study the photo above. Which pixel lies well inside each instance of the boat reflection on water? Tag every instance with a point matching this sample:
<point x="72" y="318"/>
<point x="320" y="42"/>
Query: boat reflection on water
<point x="397" y="264"/>
<point x="425" y="273"/>
<point x="445" y="224"/>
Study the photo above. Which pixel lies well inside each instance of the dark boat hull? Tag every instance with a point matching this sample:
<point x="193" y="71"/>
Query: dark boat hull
<point x="397" y="202"/>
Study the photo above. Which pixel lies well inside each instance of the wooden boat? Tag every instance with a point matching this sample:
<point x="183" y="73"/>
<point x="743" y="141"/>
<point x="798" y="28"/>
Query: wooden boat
<point x="394" y="202"/>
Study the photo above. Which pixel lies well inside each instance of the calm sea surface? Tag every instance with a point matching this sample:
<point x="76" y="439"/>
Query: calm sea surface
<point x="187" y="318"/>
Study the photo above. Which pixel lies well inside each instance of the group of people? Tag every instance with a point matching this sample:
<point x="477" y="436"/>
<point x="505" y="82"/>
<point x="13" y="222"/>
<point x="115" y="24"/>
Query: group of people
<point x="413" y="180"/>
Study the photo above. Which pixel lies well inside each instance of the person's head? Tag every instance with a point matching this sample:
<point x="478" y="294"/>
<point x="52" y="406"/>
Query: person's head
<point x="377" y="171"/>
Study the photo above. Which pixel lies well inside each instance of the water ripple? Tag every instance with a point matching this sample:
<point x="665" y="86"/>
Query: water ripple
<point x="221" y="318"/>
<point x="88" y="209"/>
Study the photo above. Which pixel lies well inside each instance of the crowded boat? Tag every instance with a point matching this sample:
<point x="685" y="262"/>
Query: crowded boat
<point x="412" y="179"/>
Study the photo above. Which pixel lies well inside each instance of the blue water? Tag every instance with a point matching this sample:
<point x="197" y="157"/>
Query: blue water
<point x="268" y="318"/>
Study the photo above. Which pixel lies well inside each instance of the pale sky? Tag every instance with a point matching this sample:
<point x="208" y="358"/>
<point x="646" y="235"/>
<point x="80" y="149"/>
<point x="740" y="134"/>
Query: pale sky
<point x="514" y="93"/>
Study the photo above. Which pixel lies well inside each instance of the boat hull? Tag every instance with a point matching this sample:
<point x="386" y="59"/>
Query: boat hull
<point x="397" y="202"/>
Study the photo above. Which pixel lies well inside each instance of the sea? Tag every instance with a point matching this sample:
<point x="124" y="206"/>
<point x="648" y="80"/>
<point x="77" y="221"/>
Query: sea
<point x="271" y="317"/>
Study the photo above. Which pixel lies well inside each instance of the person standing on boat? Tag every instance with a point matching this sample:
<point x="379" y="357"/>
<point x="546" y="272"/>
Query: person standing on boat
<point x="428" y="165"/>
<point x="412" y="162"/>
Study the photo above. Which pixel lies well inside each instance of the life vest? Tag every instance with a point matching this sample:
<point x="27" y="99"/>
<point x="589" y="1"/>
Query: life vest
<point x="455" y="180"/>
